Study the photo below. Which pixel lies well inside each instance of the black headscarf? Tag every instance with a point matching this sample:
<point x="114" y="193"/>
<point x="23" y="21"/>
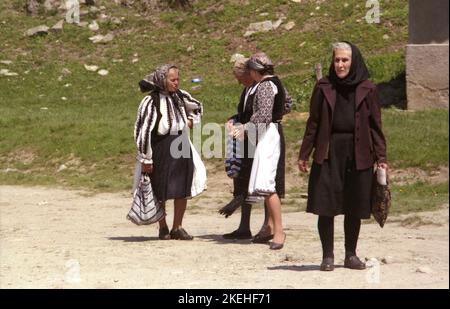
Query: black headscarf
<point x="358" y="70"/>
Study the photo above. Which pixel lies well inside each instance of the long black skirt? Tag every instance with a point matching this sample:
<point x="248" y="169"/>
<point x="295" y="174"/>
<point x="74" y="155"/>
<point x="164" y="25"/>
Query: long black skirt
<point x="240" y="183"/>
<point x="171" y="177"/>
<point x="279" y="178"/>
<point x="336" y="186"/>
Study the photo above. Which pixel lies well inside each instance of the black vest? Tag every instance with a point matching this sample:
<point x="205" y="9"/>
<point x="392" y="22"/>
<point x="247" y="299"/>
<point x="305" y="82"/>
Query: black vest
<point x="243" y="116"/>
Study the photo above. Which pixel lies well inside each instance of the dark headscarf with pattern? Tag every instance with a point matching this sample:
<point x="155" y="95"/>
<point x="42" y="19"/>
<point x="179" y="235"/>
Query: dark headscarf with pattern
<point x="261" y="63"/>
<point x="358" y="69"/>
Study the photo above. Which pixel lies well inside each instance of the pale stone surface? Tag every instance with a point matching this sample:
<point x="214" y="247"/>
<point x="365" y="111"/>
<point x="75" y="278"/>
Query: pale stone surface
<point x="289" y="25"/>
<point x="236" y="57"/>
<point x="263" y="26"/>
<point x="58" y="27"/>
<point x="39" y="30"/>
<point x="92" y="68"/>
<point x="427" y="76"/>
<point x="102" y="38"/>
<point x="103" y="72"/>
<point x="427" y="54"/>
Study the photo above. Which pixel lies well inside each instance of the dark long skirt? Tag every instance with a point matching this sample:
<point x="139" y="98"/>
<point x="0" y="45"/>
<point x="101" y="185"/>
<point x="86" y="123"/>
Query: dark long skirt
<point x="240" y="183"/>
<point x="336" y="186"/>
<point x="171" y="177"/>
<point x="279" y="178"/>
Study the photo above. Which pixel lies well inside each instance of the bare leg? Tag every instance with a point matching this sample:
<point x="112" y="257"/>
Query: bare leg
<point x="270" y="222"/>
<point x="180" y="208"/>
<point x="163" y="228"/>
<point x="162" y="222"/>
<point x="267" y="227"/>
<point x="177" y="230"/>
<point x="274" y="205"/>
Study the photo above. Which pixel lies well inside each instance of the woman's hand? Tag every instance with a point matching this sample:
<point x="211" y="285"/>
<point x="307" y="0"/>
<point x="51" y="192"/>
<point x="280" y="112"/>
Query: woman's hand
<point x="382" y="165"/>
<point x="239" y="132"/>
<point x="147" y="168"/>
<point x="303" y="166"/>
<point x="229" y="127"/>
<point x="190" y="123"/>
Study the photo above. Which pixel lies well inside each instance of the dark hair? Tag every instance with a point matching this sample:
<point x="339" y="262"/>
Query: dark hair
<point x="268" y="70"/>
<point x="260" y="63"/>
<point x="145" y="86"/>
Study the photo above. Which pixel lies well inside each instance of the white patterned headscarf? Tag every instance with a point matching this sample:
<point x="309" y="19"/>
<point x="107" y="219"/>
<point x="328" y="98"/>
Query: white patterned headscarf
<point x="157" y="80"/>
<point x="240" y="66"/>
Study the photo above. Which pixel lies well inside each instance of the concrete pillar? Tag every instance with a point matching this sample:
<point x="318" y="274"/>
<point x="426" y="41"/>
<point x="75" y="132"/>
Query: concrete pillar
<point x="427" y="54"/>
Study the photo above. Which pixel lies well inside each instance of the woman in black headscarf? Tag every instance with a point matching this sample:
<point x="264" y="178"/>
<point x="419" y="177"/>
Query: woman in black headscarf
<point x="344" y="129"/>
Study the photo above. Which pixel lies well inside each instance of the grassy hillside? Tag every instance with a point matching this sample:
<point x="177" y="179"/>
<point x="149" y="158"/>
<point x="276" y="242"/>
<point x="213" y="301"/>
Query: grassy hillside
<point x="56" y="112"/>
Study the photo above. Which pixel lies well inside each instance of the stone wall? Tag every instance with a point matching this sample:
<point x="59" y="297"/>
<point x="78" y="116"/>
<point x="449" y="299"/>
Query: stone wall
<point x="427" y="54"/>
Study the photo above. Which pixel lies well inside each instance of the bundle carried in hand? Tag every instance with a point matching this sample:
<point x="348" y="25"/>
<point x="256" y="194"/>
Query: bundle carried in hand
<point x="232" y="162"/>
<point x="381" y="196"/>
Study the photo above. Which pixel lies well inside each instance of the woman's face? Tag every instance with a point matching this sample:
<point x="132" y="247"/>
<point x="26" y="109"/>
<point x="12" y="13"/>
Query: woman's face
<point x="173" y="80"/>
<point x="244" y="79"/>
<point x="255" y="75"/>
<point x="342" y="62"/>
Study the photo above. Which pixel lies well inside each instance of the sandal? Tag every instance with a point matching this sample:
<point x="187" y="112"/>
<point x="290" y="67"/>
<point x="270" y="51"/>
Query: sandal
<point x="164" y="233"/>
<point x="180" y="234"/>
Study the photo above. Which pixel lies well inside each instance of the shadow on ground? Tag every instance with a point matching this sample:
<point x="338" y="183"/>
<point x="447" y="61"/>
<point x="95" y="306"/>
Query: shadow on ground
<point x="300" y="267"/>
<point x="134" y="238"/>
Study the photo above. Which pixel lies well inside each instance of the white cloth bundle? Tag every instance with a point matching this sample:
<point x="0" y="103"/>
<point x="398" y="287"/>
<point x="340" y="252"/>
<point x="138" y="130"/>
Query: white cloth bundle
<point x="381" y="176"/>
<point x="199" y="179"/>
<point x="145" y="209"/>
<point x="265" y="162"/>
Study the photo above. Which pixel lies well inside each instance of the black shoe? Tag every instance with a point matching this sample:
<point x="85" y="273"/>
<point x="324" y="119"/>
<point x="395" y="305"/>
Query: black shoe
<point x="180" y="234"/>
<point x="258" y="239"/>
<point x="327" y="264"/>
<point x="277" y="246"/>
<point x="164" y="233"/>
<point x="238" y="235"/>
<point x="353" y="262"/>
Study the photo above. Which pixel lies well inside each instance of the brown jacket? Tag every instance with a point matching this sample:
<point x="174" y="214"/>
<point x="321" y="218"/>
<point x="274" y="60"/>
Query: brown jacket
<point x="370" y="144"/>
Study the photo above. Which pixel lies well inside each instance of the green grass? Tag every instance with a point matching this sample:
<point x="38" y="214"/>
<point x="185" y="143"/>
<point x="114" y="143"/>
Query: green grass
<point x="417" y="139"/>
<point x="419" y="196"/>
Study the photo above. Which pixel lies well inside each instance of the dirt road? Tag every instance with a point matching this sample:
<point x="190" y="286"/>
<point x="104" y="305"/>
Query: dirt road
<point x="55" y="238"/>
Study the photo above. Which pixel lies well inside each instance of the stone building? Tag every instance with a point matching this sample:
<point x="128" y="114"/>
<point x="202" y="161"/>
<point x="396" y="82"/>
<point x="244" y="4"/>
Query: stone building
<point x="427" y="54"/>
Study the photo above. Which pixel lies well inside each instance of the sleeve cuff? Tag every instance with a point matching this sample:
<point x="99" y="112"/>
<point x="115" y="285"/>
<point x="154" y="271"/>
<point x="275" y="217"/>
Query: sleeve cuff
<point x="143" y="159"/>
